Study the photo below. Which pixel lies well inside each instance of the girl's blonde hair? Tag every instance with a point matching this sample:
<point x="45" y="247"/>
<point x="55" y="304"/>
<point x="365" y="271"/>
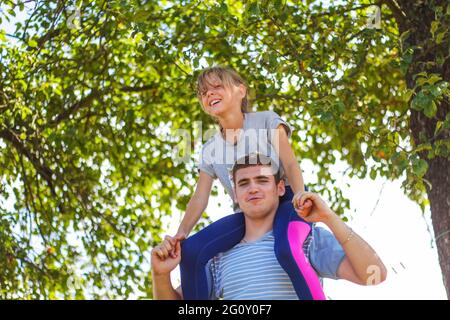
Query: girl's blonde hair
<point x="228" y="76"/>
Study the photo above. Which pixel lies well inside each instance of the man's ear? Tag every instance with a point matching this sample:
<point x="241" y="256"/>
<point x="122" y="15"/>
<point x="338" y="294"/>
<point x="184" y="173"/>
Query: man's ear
<point x="281" y="188"/>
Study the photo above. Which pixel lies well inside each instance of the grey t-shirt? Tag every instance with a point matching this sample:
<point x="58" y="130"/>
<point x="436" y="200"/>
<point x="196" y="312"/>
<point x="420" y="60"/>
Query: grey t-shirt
<point x="218" y="155"/>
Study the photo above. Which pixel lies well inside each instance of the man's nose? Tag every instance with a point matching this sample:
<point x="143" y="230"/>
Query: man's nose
<point x="253" y="187"/>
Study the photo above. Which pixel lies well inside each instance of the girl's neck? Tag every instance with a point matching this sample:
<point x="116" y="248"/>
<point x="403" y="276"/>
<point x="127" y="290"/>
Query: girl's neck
<point x="230" y="127"/>
<point x="232" y="121"/>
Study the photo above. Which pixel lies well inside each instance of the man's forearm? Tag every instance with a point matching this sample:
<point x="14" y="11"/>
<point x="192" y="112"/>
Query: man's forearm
<point x="163" y="289"/>
<point x="363" y="259"/>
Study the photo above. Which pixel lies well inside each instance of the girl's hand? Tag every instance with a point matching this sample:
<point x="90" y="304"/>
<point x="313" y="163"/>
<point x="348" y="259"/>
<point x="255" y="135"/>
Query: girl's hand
<point x="181" y="235"/>
<point x="318" y="211"/>
<point x="303" y="210"/>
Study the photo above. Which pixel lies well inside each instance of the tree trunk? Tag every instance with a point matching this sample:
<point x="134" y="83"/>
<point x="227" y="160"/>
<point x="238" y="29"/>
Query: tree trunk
<point x="440" y="213"/>
<point x="417" y="17"/>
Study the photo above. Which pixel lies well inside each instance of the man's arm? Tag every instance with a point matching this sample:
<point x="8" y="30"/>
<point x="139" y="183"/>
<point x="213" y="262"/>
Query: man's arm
<point x="361" y="264"/>
<point x="163" y="289"/>
<point x="163" y="262"/>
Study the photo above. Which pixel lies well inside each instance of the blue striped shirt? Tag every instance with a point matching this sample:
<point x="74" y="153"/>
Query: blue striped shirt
<point x="250" y="271"/>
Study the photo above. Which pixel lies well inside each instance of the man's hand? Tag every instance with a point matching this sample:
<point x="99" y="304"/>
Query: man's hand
<point x="302" y="210"/>
<point x="166" y="256"/>
<point x="318" y="211"/>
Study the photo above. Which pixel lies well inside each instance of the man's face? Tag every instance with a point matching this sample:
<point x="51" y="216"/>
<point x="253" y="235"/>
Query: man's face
<point x="256" y="191"/>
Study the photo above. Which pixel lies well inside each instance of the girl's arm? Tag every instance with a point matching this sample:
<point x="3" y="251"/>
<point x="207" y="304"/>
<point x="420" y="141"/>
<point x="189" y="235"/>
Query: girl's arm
<point x="288" y="160"/>
<point x="291" y="167"/>
<point x="196" y="206"/>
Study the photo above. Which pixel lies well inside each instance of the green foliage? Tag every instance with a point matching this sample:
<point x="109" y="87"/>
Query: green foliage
<point x="87" y="105"/>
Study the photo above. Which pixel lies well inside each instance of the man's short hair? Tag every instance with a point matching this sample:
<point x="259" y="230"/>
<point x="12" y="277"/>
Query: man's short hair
<point x="256" y="159"/>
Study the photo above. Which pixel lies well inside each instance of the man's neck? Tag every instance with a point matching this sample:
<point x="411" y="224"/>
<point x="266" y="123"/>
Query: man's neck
<point x="256" y="228"/>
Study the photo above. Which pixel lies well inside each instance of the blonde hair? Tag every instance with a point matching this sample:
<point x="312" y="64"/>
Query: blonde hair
<point x="228" y="76"/>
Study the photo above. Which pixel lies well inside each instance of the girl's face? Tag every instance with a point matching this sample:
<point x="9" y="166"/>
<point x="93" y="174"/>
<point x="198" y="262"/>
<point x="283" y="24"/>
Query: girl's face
<point x="219" y="98"/>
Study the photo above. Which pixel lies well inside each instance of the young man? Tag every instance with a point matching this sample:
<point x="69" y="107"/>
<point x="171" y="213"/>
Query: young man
<point x="250" y="269"/>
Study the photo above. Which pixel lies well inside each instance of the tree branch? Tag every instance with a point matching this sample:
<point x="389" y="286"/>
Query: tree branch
<point x="399" y="15"/>
<point x="44" y="171"/>
<point x="138" y="89"/>
<point x="76" y="106"/>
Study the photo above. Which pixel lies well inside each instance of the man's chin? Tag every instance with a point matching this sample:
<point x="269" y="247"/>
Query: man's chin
<point x="254" y="210"/>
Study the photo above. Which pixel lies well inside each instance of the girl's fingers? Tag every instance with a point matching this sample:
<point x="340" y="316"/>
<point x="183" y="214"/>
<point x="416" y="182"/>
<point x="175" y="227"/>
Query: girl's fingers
<point x="308" y="203"/>
<point x="178" y="248"/>
<point x="306" y="196"/>
<point x="170" y="240"/>
<point x="296" y="201"/>
<point x="176" y="251"/>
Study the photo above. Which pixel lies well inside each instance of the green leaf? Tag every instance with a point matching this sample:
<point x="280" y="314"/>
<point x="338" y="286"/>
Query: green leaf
<point x="434" y="27"/>
<point x="422" y="147"/>
<point x="326" y="116"/>
<point x="421" y="101"/>
<point x="32" y="43"/>
<point x="440" y="36"/>
<point x="253" y="9"/>
<point x="373" y="174"/>
<point x="420" y="167"/>
<point x="438" y="127"/>
<point x="434" y="78"/>
<point x="430" y="109"/>
<point x="223" y="8"/>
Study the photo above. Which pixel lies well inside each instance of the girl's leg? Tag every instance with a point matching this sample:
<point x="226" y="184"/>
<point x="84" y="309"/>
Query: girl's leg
<point x="198" y="249"/>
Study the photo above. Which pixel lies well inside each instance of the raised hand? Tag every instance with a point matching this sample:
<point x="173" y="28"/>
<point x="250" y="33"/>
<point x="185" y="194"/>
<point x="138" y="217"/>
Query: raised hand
<point x="317" y="212"/>
<point x="166" y="256"/>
